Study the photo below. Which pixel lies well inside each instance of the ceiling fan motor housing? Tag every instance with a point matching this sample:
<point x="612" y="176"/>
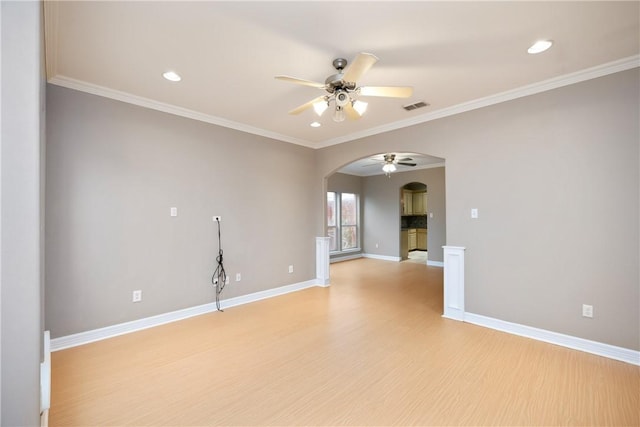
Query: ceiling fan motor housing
<point x="342" y="98"/>
<point x="335" y="82"/>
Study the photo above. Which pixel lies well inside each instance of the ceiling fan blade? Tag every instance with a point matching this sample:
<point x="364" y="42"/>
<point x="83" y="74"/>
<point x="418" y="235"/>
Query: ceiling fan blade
<point x="306" y="105"/>
<point x="360" y="65"/>
<point x="407" y="164"/>
<point x="351" y="113"/>
<point x="388" y="91"/>
<point x="300" y="81"/>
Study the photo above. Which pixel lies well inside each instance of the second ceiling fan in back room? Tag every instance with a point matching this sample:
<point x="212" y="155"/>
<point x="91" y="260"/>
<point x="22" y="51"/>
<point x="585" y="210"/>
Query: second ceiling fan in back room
<point x="389" y="162"/>
<point x="343" y="92"/>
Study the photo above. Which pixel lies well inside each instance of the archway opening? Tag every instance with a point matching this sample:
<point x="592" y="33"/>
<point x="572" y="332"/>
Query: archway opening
<point x="380" y="204"/>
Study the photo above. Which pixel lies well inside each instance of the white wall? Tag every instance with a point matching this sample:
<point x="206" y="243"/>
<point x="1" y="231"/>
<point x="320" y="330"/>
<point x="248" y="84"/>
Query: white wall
<point x="20" y="213"/>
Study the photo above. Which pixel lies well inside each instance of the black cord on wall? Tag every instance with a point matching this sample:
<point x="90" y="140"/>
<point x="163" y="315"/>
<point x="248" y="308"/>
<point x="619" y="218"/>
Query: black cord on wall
<point x="219" y="277"/>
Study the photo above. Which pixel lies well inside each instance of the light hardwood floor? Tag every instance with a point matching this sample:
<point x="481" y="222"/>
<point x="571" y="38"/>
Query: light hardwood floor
<point x="372" y="349"/>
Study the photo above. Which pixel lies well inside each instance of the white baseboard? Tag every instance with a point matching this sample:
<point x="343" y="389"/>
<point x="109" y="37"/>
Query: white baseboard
<point x="435" y="263"/>
<point x="149" y="322"/>
<point x="383" y="257"/>
<point x="345" y="258"/>
<point x="594" y="347"/>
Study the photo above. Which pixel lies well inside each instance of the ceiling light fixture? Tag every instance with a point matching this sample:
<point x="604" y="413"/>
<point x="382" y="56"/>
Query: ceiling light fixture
<point x="540" y="46"/>
<point x="315" y="125"/>
<point x="320" y="107"/>
<point x="339" y="114"/>
<point x="172" y="76"/>
<point x="387" y="168"/>
<point x="360" y="107"/>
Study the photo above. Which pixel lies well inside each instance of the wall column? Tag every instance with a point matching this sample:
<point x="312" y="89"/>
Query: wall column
<point x="453" y="282"/>
<point x="322" y="260"/>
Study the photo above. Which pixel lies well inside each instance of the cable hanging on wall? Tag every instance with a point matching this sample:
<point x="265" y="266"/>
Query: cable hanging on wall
<point x="219" y="278"/>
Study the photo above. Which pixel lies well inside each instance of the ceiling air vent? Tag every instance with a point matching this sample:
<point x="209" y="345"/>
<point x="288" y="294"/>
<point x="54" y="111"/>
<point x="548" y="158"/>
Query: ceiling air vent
<point x="415" y="106"/>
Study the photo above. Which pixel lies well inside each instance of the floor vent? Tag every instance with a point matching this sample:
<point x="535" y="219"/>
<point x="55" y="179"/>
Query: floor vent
<point x="415" y="106"/>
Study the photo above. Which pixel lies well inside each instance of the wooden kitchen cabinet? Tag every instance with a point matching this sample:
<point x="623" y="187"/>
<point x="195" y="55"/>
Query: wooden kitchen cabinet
<point x="404" y="244"/>
<point x="419" y="203"/>
<point x="407" y="202"/>
<point x="413" y="239"/>
<point x="421" y="237"/>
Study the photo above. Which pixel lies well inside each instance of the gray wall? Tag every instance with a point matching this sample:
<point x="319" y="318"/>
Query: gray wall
<point x="555" y="178"/>
<point x="113" y="172"/>
<point x="345" y="183"/>
<point x="382" y="207"/>
<point x="20" y="213"/>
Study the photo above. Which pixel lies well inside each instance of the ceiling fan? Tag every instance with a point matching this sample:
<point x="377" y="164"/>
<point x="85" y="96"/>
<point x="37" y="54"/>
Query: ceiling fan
<point x="343" y="91"/>
<point x="389" y="162"/>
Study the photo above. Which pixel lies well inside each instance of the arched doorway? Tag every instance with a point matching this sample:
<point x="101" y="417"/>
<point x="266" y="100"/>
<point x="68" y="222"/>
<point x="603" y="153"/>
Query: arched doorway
<point x="380" y="206"/>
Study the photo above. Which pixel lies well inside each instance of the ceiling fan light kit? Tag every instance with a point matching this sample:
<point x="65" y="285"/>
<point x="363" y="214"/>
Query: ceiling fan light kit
<point x="388" y="168"/>
<point x="320" y="107"/>
<point x="343" y="90"/>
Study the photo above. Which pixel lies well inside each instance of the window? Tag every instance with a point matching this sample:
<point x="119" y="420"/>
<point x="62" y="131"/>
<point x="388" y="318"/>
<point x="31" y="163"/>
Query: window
<point x="343" y="221"/>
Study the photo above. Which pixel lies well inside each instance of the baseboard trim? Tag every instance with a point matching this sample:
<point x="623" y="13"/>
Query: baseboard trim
<point x="345" y="258"/>
<point x="383" y="257"/>
<point x="435" y="263"/>
<point x="593" y="347"/>
<point x="87" y="337"/>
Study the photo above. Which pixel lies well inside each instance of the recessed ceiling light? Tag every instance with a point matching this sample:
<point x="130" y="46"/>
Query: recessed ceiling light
<point x="540" y="46"/>
<point x="172" y="76"/>
<point x="315" y="125"/>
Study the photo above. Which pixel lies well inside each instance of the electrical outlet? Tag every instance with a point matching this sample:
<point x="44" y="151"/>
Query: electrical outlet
<point x="291" y="269"/>
<point x="587" y="310"/>
<point x="137" y="296"/>
<point x="217" y="218"/>
<point x="238" y="277"/>
<point x="474" y="213"/>
<point x="173" y="211"/>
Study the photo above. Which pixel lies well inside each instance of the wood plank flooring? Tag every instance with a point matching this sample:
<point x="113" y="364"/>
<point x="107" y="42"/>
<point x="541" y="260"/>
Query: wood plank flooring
<point x="372" y="349"/>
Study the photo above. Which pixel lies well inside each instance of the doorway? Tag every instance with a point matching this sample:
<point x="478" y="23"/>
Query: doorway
<point x="414" y="222"/>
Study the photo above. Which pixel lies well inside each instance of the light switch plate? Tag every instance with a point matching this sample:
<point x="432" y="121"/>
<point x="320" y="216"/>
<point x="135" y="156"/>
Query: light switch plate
<point x="474" y="213"/>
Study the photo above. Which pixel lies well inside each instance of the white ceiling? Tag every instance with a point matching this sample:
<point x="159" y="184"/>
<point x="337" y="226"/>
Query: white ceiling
<point x="455" y="55"/>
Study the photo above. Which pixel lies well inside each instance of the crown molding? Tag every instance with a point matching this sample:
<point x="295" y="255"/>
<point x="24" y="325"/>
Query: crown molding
<point x="171" y="109"/>
<point x="532" y="89"/>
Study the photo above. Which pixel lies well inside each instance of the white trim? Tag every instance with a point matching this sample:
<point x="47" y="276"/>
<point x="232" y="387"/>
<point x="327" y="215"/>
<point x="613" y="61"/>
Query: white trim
<point x="346" y="257"/>
<point x="593" y="347"/>
<point x="382" y="257"/>
<point x="532" y="89"/>
<point x="453" y="289"/>
<point x="149" y="322"/>
<point x="435" y="263"/>
<point x="45" y="374"/>
<point x="323" y="274"/>
<point x="171" y="109"/>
